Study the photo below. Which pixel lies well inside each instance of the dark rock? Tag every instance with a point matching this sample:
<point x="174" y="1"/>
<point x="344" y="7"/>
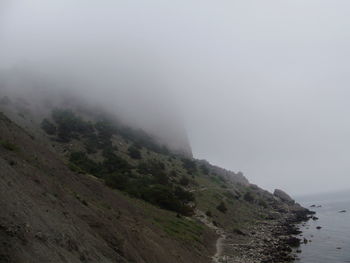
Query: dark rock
<point x="342" y="211"/>
<point x="283" y="196"/>
<point x="319" y="227"/>
<point x="293" y="241"/>
<point x="239" y="232"/>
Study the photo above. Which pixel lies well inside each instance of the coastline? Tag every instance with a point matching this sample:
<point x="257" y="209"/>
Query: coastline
<point x="270" y="240"/>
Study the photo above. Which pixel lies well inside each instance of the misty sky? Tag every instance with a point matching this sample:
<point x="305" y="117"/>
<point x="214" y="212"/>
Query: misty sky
<point x="263" y="86"/>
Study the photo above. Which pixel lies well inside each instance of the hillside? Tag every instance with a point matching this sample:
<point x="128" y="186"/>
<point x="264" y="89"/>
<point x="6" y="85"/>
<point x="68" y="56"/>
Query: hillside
<point x="78" y="185"/>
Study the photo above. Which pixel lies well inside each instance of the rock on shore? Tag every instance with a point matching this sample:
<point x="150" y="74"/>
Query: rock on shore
<point x="270" y="240"/>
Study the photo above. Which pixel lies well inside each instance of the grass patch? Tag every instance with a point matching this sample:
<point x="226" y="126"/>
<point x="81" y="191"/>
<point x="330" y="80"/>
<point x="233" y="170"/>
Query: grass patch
<point x="9" y="146"/>
<point x="181" y="228"/>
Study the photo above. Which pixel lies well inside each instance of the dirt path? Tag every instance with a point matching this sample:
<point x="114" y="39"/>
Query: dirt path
<point x="218" y="257"/>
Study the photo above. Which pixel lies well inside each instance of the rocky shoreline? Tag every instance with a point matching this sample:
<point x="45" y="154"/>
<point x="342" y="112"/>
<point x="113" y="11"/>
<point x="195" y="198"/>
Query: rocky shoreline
<point x="269" y="241"/>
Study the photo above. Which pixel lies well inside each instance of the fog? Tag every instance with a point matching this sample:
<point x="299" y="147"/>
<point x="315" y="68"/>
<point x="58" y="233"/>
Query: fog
<point x="262" y="86"/>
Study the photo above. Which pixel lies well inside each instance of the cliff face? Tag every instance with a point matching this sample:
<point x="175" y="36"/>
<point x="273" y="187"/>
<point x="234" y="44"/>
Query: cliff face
<point x="77" y="185"/>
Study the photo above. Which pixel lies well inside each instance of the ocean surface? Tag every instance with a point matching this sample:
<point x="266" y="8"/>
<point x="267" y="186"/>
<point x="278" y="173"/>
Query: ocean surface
<point x="331" y="243"/>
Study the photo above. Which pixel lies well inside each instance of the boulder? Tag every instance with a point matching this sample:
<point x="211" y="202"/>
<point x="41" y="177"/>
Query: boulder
<point x="283" y="196"/>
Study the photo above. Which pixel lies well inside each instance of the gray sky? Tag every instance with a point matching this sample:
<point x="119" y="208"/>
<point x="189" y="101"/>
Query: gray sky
<point x="263" y="86"/>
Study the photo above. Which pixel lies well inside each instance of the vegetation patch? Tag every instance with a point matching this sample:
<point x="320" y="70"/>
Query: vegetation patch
<point x="181" y="228"/>
<point x="222" y="207"/>
<point x="9" y="146"/>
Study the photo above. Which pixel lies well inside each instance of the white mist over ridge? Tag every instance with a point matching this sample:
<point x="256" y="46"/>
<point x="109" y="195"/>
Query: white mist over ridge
<point x="40" y="94"/>
<point x="262" y="86"/>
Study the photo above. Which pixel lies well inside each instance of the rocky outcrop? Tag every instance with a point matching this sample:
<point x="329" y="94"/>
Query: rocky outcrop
<point x="233" y="177"/>
<point x="283" y="196"/>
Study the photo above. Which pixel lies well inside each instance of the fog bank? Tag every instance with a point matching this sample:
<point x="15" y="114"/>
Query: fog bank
<point x="261" y="85"/>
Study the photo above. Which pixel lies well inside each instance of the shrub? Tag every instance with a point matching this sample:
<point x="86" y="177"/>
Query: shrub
<point x="151" y="167"/>
<point x="8" y="145"/>
<point x="262" y="203"/>
<point x="92" y="143"/>
<point x="117" y="181"/>
<point x="189" y="165"/>
<point x="249" y="197"/>
<point x="230" y="195"/>
<point x="113" y="163"/>
<point x="204" y="169"/>
<point x="69" y="126"/>
<point x="81" y="160"/>
<point x="173" y="173"/>
<point x="134" y="152"/>
<point x="222" y="207"/>
<point x="209" y="214"/>
<point x="161" y="178"/>
<point x="163" y="197"/>
<point x="48" y="127"/>
<point x="183" y="196"/>
<point x="184" y="181"/>
<point x="105" y="131"/>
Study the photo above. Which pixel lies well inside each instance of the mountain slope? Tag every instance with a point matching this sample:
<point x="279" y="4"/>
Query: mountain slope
<point x="77" y="185"/>
<point x="50" y="214"/>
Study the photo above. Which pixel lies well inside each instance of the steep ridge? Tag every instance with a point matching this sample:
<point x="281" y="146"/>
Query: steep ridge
<point x="50" y="214"/>
<point x="79" y="186"/>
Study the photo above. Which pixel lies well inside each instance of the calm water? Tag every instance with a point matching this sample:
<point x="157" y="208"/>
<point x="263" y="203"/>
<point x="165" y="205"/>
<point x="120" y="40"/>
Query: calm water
<point x="331" y="244"/>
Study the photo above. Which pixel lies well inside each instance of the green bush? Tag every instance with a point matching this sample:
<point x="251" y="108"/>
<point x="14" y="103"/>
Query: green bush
<point x="117" y="181"/>
<point x="134" y="152"/>
<point x="113" y="163"/>
<point x="204" y="169"/>
<point x="81" y="160"/>
<point x="209" y="214"/>
<point x="69" y="126"/>
<point x="189" y="165"/>
<point x="48" y="127"/>
<point x="105" y="130"/>
<point x="222" y="207"/>
<point x="249" y="197"/>
<point x="151" y="167"/>
<point x="163" y="197"/>
<point x="156" y="169"/>
<point x="184" y="196"/>
<point x="262" y="203"/>
<point x="184" y="181"/>
<point x="9" y="146"/>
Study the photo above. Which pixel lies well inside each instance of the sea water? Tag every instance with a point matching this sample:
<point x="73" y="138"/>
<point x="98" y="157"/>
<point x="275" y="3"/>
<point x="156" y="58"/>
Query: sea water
<point x="331" y="243"/>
